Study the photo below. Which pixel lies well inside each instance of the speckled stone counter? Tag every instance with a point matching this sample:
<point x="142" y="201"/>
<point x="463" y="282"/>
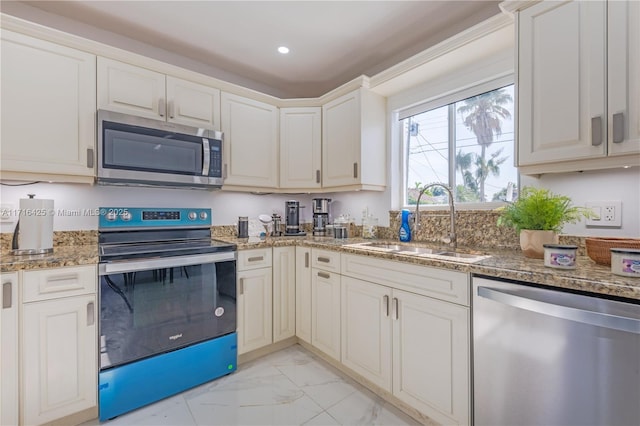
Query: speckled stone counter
<point x="509" y="264"/>
<point x="61" y="256"/>
<point x="503" y="263"/>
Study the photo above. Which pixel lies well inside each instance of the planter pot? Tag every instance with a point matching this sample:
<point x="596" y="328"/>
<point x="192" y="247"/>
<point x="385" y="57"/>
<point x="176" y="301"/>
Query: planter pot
<point x="532" y="241"/>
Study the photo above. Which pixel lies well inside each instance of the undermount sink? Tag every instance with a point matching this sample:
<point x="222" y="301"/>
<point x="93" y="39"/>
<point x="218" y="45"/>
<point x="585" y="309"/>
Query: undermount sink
<point x="409" y="249"/>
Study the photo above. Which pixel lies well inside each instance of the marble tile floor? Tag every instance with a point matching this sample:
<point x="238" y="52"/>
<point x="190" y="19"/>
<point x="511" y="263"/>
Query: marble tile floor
<point x="289" y="387"/>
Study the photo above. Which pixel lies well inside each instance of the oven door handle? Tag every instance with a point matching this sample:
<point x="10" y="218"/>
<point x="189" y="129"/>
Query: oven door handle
<point x="163" y="262"/>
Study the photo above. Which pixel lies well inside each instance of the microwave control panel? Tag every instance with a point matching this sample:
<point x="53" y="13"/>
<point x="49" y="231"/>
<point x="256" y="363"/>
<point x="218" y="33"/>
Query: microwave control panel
<point x="215" y="158"/>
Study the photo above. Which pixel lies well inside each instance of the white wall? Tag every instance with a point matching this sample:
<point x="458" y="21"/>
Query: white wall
<point x="226" y="206"/>
<point x="602" y="185"/>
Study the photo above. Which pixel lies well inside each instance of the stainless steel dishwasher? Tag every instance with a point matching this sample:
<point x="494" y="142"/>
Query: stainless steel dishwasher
<point x="547" y="357"/>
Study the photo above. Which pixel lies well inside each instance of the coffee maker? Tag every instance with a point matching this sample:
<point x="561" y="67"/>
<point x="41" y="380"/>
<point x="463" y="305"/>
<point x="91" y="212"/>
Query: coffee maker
<point x="320" y="216"/>
<point x="292" y="218"/>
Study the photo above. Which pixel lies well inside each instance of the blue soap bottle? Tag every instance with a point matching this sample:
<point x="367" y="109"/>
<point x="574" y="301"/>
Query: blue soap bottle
<point x="405" y="230"/>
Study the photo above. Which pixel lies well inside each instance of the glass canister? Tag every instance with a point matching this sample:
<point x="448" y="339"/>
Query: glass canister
<point x="369" y="227"/>
<point x="243" y="227"/>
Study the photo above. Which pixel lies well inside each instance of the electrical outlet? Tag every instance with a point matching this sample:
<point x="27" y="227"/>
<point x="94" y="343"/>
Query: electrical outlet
<point x="605" y="213"/>
<point x="6" y="211"/>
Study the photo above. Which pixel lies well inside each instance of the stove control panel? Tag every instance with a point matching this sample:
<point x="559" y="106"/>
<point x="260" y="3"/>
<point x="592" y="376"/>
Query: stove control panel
<point x="142" y="217"/>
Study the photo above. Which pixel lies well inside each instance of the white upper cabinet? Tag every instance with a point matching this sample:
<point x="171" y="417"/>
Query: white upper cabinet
<point x="353" y="142"/>
<point x="48" y="110"/>
<point x="250" y="143"/>
<point x="624" y="77"/>
<point x="569" y="116"/>
<point x="301" y="148"/>
<point x="142" y="92"/>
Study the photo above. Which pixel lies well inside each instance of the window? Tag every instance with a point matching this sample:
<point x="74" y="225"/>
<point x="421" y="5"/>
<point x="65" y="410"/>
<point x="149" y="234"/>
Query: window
<point x="467" y="145"/>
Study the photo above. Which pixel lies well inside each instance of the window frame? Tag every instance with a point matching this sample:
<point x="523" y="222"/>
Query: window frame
<point x="449" y="100"/>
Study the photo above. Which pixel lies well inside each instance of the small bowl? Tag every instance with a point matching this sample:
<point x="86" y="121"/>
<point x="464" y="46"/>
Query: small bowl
<point x="625" y="262"/>
<point x="560" y="256"/>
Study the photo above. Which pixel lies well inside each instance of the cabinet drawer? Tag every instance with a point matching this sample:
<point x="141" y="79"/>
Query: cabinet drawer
<point x="451" y="286"/>
<point x="254" y="259"/>
<point x="325" y="259"/>
<point x="45" y="284"/>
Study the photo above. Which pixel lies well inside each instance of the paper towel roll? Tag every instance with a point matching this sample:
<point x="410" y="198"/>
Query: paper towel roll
<point x="36" y="224"/>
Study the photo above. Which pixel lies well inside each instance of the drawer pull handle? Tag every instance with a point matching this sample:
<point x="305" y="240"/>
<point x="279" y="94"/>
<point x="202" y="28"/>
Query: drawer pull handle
<point x="386" y="304"/>
<point x="618" y="127"/>
<point x="355" y="170"/>
<point x="90" y="158"/>
<point x="90" y="314"/>
<point x="241" y="285"/>
<point x="161" y="107"/>
<point x="306" y="260"/>
<point x="324" y="259"/>
<point x="317" y="176"/>
<point x="324" y="275"/>
<point x="596" y="131"/>
<point x="395" y="302"/>
<point x="7" y="293"/>
<point x="255" y="259"/>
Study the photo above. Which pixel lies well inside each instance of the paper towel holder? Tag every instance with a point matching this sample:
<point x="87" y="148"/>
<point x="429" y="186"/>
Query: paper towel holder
<point x="15" y="250"/>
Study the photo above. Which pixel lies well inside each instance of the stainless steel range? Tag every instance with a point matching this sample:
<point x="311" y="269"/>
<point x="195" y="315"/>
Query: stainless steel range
<point x="167" y="305"/>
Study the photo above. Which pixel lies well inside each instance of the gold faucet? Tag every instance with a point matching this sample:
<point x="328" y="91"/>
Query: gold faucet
<point x="451" y="239"/>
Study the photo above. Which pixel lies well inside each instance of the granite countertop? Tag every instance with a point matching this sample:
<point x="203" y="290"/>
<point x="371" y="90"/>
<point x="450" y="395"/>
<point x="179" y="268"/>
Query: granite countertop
<point x="509" y="264"/>
<point x="61" y="256"/>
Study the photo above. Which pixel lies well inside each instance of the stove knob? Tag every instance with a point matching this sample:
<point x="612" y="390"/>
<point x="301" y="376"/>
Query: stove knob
<point x="126" y="216"/>
<point x="203" y="215"/>
<point x="111" y="216"/>
<point x="193" y="215"/>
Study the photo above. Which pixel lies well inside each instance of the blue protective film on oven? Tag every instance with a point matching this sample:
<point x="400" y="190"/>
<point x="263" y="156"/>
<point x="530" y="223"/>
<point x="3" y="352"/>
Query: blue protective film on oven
<point x="131" y="386"/>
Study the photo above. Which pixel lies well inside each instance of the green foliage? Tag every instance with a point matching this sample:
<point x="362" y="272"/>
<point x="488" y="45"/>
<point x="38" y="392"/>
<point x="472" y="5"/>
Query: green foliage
<point x="540" y="209"/>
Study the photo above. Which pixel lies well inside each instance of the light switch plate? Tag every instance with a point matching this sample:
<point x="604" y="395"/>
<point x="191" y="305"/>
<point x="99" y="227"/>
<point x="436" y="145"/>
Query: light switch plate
<point x="606" y="214"/>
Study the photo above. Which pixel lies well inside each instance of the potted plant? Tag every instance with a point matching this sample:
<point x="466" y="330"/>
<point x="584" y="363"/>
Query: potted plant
<point x="538" y="215"/>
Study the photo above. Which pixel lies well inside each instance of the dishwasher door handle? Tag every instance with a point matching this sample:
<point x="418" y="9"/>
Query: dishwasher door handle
<point x="599" y="319"/>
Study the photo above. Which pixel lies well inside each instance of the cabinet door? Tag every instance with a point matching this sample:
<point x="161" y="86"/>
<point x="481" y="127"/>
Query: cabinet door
<point x="366" y="330"/>
<point x="341" y="141"/>
<point x="250" y="142"/>
<point x="9" y="349"/>
<point x="431" y="356"/>
<point x="193" y="104"/>
<point x="254" y="309"/>
<point x="624" y="77"/>
<point x="131" y="90"/>
<point x="325" y="312"/>
<point x="59" y="358"/>
<point x="284" y="293"/>
<point x="300" y="148"/>
<point x="48" y="107"/>
<point x="303" y="293"/>
<point x="561" y="82"/>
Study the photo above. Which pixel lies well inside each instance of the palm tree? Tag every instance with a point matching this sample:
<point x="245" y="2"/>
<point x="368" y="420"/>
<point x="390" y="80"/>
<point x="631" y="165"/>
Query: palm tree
<point x="483" y="115"/>
<point x="484" y="168"/>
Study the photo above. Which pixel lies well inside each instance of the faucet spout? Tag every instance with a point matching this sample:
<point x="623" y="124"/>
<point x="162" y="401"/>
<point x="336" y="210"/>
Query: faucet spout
<point x="451" y="239"/>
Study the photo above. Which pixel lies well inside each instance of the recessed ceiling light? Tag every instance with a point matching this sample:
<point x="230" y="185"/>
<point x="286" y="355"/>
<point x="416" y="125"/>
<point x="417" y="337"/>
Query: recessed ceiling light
<point x="283" y="49"/>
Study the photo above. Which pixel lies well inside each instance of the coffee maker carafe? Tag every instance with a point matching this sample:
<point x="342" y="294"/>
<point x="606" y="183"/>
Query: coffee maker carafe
<point x="292" y="218"/>
<point x="320" y="216"/>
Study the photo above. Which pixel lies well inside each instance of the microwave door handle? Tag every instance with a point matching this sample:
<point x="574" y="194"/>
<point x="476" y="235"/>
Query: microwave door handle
<point x="206" y="156"/>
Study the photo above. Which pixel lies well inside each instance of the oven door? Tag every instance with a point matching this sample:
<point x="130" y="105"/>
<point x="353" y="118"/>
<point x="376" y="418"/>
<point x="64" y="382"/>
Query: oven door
<point x="151" y="306"/>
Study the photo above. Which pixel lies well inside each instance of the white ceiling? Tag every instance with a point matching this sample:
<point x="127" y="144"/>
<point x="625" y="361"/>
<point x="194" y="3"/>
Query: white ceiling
<point x="331" y="42"/>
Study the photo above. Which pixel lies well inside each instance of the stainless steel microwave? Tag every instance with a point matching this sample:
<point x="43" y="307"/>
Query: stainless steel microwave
<point x="144" y="152"/>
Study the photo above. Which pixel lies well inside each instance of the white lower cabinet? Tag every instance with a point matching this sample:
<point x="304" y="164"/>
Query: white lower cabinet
<point x="325" y="312"/>
<point x="284" y="293"/>
<point x="59" y="346"/>
<point x="255" y="306"/>
<point x="366" y="330"/>
<point x="303" y="293"/>
<point x="414" y="344"/>
<point x="9" y="349"/>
